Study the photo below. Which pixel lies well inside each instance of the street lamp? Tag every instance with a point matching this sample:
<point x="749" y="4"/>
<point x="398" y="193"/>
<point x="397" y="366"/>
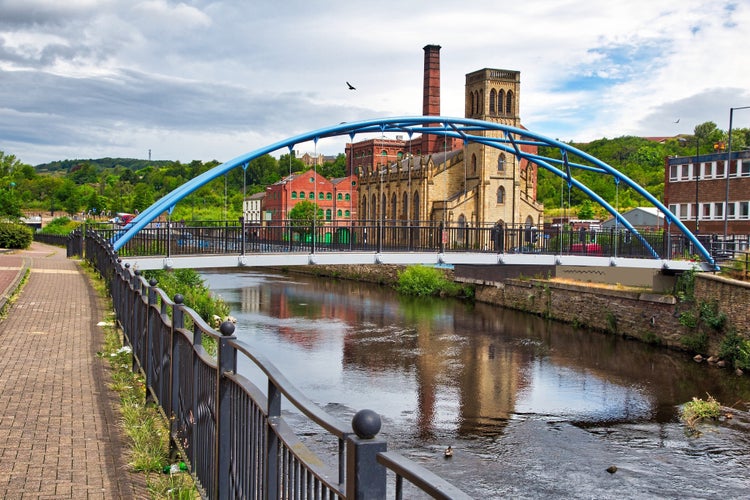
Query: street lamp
<point x="697" y="174"/>
<point x="727" y="168"/>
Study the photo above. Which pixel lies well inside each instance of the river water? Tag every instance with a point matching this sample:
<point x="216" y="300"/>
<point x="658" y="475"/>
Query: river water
<point x="532" y="408"/>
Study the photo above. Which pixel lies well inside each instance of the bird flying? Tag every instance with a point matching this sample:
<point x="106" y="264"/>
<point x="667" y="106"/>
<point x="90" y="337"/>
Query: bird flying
<point x="677" y="121"/>
<point x="351" y="87"/>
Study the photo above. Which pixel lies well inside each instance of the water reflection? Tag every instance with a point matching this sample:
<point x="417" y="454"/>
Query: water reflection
<point x="453" y="367"/>
<point x="523" y="400"/>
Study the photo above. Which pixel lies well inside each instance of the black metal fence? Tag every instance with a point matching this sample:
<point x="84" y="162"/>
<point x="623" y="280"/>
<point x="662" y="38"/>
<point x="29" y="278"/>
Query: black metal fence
<point x="238" y="237"/>
<point x="232" y="434"/>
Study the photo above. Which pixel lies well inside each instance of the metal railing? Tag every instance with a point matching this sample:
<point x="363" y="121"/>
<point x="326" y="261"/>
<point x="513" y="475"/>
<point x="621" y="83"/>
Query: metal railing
<point x="238" y="237"/>
<point x="234" y="438"/>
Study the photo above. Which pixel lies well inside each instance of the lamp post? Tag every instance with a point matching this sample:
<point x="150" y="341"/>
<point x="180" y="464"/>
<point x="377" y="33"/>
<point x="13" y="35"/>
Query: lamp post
<point x="697" y="174"/>
<point x="726" y="169"/>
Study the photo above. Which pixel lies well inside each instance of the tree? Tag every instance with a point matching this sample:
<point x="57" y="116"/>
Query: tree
<point x="303" y="214"/>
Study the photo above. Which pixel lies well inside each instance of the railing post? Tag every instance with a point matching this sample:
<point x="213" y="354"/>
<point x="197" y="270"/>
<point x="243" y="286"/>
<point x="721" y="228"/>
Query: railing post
<point x="272" y="443"/>
<point x="243" y="235"/>
<point x="178" y="322"/>
<point x="227" y="363"/>
<point x="365" y="477"/>
<point x="441" y="228"/>
<point x="152" y="296"/>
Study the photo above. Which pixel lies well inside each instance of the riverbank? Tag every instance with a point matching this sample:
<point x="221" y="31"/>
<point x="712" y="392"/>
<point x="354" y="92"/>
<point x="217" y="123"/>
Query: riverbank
<point x="635" y="312"/>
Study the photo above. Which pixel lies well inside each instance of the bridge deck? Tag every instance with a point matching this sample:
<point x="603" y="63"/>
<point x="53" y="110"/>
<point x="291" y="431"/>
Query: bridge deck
<point x="283" y="259"/>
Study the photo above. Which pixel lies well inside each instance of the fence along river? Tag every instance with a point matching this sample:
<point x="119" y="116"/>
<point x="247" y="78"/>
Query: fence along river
<point x="530" y="407"/>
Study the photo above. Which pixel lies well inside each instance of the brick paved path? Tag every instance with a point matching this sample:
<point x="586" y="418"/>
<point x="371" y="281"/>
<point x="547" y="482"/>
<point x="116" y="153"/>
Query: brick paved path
<point x="59" y="434"/>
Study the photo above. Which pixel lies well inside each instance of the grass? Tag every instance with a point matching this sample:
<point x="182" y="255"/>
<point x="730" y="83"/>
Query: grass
<point x="144" y="425"/>
<point x="698" y="410"/>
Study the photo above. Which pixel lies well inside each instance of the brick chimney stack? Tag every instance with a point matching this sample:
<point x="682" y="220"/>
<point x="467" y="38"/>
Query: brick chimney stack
<point x="431" y="96"/>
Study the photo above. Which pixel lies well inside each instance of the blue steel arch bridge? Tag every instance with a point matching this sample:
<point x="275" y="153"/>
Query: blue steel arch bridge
<point x="148" y="245"/>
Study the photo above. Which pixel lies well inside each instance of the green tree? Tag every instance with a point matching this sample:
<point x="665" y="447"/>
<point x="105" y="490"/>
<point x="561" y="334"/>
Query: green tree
<point x="303" y="214"/>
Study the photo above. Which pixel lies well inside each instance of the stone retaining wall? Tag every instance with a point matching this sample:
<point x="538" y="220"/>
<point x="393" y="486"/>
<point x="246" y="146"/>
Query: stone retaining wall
<point x="732" y="297"/>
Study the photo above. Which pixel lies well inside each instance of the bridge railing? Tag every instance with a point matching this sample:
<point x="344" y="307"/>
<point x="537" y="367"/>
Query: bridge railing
<point x="238" y="237"/>
<point x="233" y="435"/>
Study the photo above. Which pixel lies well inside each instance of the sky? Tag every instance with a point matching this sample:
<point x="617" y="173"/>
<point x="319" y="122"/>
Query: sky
<point x="215" y="79"/>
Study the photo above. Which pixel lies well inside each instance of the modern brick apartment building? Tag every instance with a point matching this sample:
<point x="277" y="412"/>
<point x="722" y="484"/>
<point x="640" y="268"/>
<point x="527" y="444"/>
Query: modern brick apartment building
<point x="695" y="190"/>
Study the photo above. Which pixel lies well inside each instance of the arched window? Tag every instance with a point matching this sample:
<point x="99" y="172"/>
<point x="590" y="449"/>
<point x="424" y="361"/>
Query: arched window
<point x="346" y="213"/>
<point x="393" y="206"/>
<point x="329" y="196"/>
<point x="294" y="195"/>
<point x="383" y="206"/>
<point x="509" y="103"/>
<point x="473" y="163"/>
<point x="321" y="195"/>
<point x="416" y="206"/>
<point x="347" y="197"/>
<point x="471" y="112"/>
<point x="328" y="214"/>
<point x="374" y="207"/>
<point x="405" y="205"/>
<point x="400" y="154"/>
<point x="384" y="153"/>
<point x="338" y="213"/>
<point x="500" y="102"/>
<point x="301" y="195"/>
<point x="364" y="206"/>
<point x="493" y="96"/>
<point x="500" y="195"/>
<point x="461" y="227"/>
<point x="312" y="195"/>
<point x="339" y="196"/>
<point x="501" y="162"/>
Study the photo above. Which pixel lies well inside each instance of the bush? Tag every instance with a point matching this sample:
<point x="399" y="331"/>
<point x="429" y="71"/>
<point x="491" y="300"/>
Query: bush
<point x="697" y="410"/>
<point x="195" y="292"/>
<point x="735" y="349"/>
<point x="427" y="281"/>
<point x="15" y="235"/>
<point x="60" y="225"/>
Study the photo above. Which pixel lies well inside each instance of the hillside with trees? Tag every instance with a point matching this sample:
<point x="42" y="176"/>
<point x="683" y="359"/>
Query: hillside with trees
<point x="102" y="187"/>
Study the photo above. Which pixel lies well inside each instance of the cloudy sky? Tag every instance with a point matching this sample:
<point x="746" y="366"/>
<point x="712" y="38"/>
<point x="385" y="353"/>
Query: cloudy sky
<point x="213" y="79"/>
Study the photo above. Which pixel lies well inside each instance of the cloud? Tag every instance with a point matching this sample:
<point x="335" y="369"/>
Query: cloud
<point x="213" y="79"/>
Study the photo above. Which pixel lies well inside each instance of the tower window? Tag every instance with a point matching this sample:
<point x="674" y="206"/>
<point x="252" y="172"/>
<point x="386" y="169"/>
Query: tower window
<point x="500" y="99"/>
<point x="501" y="162"/>
<point x="500" y="195"/>
<point x="493" y="96"/>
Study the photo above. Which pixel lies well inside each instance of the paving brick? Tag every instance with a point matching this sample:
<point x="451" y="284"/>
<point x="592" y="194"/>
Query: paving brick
<point x="59" y="432"/>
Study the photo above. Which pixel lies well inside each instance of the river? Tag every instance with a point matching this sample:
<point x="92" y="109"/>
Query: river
<point x="531" y="408"/>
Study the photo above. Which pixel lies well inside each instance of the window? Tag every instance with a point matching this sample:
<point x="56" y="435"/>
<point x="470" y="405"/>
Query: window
<point x="509" y="103"/>
<point x="718" y="169"/>
<point x="674" y="209"/>
<point x="312" y="195"/>
<point x="294" y="195"/>
<point x="500" y="195"/>
<point x="744" y="168"/>
<point x="719" y="210"/>
<point x="312" y="179"/>
<point x="705" y="211"/>
<point x="500" y="101"/>
<point x="321" y="195"/>
<point x="338" y="213"/>
<point x="328" y="214"/>
<point x="744" y="209"/>
<point x="347" y="197"/>
<point x="732" y="211"/>
<point x="384" y="153"/>
<point x="301" y="195"/>
<point x="674" y="173"/>
<point x="339" y="196"/>
<point x="706" y="170"/>
<point x="461" y="227"/>
<point x="473" y="164"/>
<point x="685" y="173"/>
<point x="493" y="96"/>
<point x="346" y="213"/>
<point x="501" y="162"/>
<point x="329" y="196"/>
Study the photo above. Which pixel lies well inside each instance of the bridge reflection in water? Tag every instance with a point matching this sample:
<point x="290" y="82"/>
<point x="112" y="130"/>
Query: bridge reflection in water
<point x="214" y="244"/>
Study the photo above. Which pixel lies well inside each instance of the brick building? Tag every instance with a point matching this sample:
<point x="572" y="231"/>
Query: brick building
<point x="437" y="180"/>
<point x="336" y="198"/>
<point x="695" y="190"/>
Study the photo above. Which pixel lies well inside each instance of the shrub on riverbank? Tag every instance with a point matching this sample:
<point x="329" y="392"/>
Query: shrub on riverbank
<point x="191" y="286"/>
<point x="428" y="281"/>
<point x="696" y="410"/>
<point x="60" y="225"/>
